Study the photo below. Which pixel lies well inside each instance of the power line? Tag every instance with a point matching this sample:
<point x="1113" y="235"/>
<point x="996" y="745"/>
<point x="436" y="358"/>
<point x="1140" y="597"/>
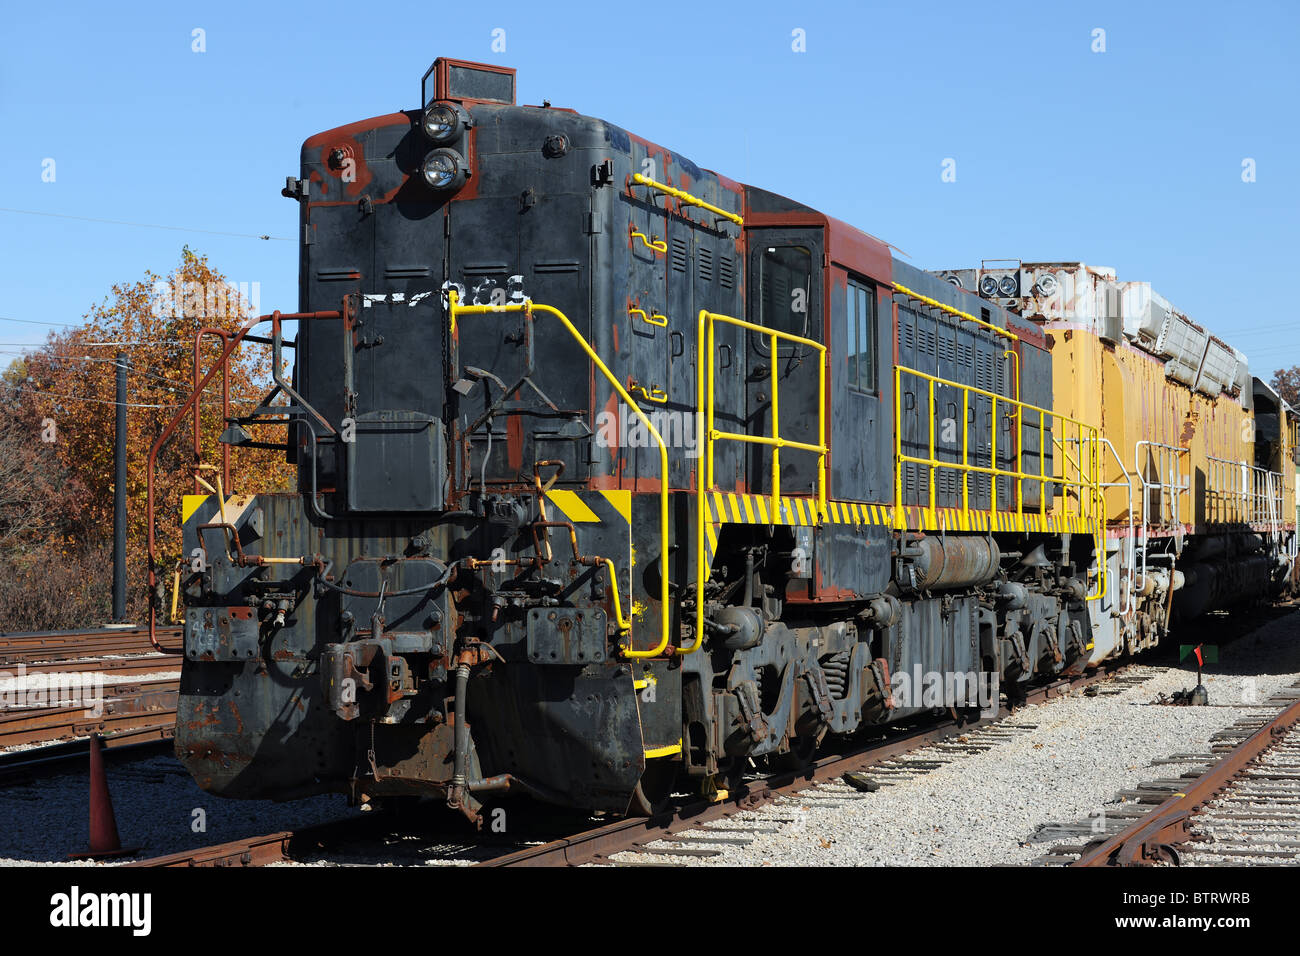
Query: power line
<point x="97" y="401"/>
<point x="82" y="398"/>
<point x="125" y="343"/>
<point x="70" y="325"/>
<point x="174" y="385"/>
<point x="142" y="225"/>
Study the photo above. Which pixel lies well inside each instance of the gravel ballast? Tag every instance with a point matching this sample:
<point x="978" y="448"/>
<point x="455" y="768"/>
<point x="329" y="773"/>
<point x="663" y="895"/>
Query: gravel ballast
<point x="982" y="809"/>
<point x="1067" y="764"/>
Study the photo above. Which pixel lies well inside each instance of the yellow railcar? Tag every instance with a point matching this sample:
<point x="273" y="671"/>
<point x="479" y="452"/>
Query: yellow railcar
<point x="1198" y="455"/>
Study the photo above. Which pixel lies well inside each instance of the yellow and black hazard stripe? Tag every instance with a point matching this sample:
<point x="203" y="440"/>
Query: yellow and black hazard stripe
<point x="236" y="505"/>
<point x="735" y="508"/>
<point x="610" y="508"/>
<point x="588" y="507"/>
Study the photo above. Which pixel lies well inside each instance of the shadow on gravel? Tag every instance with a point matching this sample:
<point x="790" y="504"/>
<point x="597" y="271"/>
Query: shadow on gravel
<point x="158" y="807"/>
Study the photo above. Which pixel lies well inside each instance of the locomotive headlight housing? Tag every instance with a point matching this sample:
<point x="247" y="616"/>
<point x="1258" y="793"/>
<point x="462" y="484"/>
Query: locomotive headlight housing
<point x="988" y="286"/>
<point x="442" y="123"/>
<point x="1047" y="285"/>
<point x="444" y="169"/>
<point x="1007" y="285"/>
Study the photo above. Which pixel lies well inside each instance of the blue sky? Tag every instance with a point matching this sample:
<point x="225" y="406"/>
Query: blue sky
<point x="1130" y="158"/>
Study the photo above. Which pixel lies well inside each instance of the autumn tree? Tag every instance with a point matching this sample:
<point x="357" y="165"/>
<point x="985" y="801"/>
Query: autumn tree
<point x="67" y="388"/>
<point x="1287" y="383"/>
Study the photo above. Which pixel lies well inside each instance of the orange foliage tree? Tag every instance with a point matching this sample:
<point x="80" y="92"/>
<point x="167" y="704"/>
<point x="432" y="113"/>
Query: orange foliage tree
<point x="69" y="384"/>
<point x="1287" y="383"/>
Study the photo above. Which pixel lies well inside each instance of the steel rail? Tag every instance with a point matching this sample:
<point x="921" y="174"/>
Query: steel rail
<point x="126" y="706"/>
<point x="115" y="666"/>
<point x="1150" y="838"/>
<point x="630" y="832"/>
<point x="281" y="846"/>
<point x="21" y="766"/>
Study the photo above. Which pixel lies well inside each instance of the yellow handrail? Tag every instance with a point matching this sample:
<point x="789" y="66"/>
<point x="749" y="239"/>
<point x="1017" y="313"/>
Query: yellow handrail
<point x="649" y="319"/>
<point x="624" y="625"/>
<point x="1091" y="505"/>
<point x="686" y="198"/>
<point x="935" y="304"/>
<point x="528" y="307"/>
<point x="653" y="394"/>
<point x="658" y="245"/>
<point x="704" y="403"/>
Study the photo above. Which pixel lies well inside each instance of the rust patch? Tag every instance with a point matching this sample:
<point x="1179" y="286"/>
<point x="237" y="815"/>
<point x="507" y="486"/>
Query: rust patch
<point x="352" y="158"/>
<point x="515" y="441"/>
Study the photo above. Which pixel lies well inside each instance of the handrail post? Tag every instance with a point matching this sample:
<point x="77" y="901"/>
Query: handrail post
<point x="993" y="459"/>
<point x="900" y="510"/>
<point x="709" y="398"/>
<point x="965" y="451"/>
<point x="1042" y="469"/>
<point x="933" y="466"/>
<point x="821" y="438"/>
<point x="776" y="430"/>
<point x="704" y="465"/>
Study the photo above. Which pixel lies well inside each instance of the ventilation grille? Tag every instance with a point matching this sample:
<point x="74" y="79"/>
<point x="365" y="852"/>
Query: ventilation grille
<point x="406" y="272"/>
<point x="485" y="268"/>
<point x="341" y="274"/>
<point x="704" y="258"/>
<point x="680" y="257"/>
<point x="727" y="272"/>
<point x="947" y="348"/>
<point x="556" y="265"/>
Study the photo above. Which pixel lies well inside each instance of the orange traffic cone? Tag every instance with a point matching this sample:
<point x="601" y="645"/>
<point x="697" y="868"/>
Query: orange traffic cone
<point x="104" y="841"/>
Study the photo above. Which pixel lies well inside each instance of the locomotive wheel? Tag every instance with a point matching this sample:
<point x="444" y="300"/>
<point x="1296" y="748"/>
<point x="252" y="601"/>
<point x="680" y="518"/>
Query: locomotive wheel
<point x="654" y="789"/>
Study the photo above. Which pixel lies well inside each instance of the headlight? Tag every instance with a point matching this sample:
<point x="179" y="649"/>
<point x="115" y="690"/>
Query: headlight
<point x="1047" y="285"/>
<point x="444" y="169"/>
<point x="988" y="286"/>
<point x="1007" y="285"/>
<point x="441" y="123"/>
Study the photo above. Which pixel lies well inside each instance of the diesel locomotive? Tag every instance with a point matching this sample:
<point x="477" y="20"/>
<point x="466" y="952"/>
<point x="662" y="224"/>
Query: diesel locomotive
<point x="618" y="477"/>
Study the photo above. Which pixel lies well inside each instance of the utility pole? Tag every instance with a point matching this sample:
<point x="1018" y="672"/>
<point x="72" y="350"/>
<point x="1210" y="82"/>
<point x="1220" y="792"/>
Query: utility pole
<point x="119" y="496"/>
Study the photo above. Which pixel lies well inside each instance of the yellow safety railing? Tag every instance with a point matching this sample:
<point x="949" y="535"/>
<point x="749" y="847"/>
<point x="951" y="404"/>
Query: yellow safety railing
<point x="704" y="402"/>
<point x="651" y="318"/>
<point x="1081" y="474"/>
<point x="657" y="244"/>
<point x="528" y="307"/>
<point x="686" y="197"/>
<point x="949" y="310"/>
<point x="652" y="394"/>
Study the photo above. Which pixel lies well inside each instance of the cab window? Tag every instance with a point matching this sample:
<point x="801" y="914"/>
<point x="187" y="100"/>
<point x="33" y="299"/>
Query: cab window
<point x="785" y="287"/>
<point x="860" y="350"/>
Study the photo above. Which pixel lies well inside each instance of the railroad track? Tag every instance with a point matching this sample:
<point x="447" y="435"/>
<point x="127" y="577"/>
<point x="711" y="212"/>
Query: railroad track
<point x="124" y="706"/>
<point x="1239" y="803"/>
<point x="882" y="758"/>
<point x="59" y="646"/>
<point x="131" y="713"/>
<point x="25" y="766"/>
<point x="110" y="666"/>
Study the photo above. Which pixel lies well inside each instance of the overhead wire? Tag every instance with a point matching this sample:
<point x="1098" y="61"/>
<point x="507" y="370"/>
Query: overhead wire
<point x="143" y="225"/>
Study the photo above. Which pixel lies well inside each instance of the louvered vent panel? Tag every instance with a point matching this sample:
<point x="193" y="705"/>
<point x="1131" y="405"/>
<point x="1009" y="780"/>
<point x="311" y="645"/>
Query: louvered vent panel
<point x="680" y="256"/>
